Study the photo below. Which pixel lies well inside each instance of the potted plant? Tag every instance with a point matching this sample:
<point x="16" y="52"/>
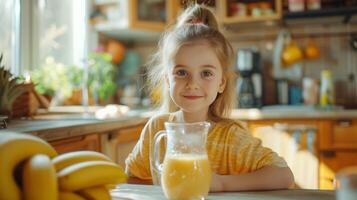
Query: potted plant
<point x="10" y="88"/>
<point x="51" y="79"/>
<point x="102" y="73"/>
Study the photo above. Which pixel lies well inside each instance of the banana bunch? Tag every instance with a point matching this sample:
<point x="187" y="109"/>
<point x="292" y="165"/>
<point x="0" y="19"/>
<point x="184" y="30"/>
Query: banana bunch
<point x="30" y="169"/>
<point x="86" y="175"/>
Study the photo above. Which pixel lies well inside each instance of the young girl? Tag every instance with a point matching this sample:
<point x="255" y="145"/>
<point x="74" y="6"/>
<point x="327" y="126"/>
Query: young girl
<point x="193" y="68"/>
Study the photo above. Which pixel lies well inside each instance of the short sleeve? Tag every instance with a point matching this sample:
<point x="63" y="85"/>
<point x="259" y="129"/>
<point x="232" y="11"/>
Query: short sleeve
<point x="137" y="163"/>
<point x="251" y="155"/>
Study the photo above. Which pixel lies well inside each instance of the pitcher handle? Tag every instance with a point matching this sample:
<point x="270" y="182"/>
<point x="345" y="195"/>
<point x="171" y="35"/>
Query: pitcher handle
<point x="155" y="157"/>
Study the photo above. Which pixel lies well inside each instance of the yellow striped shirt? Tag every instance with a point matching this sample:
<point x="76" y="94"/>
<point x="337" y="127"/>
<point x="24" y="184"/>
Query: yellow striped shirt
<point x="231" y="149"/>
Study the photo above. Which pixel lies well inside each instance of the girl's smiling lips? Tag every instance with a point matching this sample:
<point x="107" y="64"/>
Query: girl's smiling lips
<point x="192" y="97"/>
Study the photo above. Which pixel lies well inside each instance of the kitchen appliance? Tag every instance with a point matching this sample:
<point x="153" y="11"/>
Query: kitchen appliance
<point x="3" y="123"/>
<point x="250" y="80"/>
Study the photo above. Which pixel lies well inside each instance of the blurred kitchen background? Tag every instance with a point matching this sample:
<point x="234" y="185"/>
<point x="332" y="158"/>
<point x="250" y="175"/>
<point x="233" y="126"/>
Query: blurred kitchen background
<point x="282" y="48"/>
<point x="296" y="57"/>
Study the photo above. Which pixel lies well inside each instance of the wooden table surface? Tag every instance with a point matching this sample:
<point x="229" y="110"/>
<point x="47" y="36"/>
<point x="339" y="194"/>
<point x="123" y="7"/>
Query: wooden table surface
<point x="150" y="192"/>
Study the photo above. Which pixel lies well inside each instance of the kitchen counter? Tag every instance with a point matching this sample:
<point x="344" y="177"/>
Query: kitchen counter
<point x="292" y="112"/>
<point x="59" y="126"/>
<point x="150" y="192"/>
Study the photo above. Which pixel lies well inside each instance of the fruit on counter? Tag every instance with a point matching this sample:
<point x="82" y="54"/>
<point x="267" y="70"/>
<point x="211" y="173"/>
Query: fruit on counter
<point x="95" y="193"/>
<point x="70" y="158"/>
<point x="80" y="175"/>
<point x="66" y="195"/>
<point x="10" y="89"/>
<point x="39" y="179"/>
<point x="89" y="174"/>
<point x="110" y="186"/>
<point x="15" y="148"/>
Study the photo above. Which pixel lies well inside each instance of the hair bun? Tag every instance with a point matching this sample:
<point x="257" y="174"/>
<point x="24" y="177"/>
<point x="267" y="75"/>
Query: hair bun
<point x="198" y="14"/>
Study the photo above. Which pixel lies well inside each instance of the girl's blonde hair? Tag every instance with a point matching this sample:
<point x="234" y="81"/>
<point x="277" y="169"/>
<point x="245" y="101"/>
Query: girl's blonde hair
<point x="197" y="22"/>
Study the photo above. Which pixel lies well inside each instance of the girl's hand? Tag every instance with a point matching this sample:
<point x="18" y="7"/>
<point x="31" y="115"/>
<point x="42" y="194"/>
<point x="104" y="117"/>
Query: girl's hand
<point x="216" y="183"/>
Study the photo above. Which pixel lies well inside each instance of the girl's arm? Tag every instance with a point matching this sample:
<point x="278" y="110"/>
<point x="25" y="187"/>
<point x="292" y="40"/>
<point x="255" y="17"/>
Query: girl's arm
<point x="266" y="178"/>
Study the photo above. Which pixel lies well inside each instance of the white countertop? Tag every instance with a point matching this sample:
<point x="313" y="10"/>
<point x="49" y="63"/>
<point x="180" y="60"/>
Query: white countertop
<point x="293" y="112"/>
<point x="151" y="192"/>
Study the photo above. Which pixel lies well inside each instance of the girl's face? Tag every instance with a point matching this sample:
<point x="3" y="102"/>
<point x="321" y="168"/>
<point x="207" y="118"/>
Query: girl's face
<point x="195" y="78"/>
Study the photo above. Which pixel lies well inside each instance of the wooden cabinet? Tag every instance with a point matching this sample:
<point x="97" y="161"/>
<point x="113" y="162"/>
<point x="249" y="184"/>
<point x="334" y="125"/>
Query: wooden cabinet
<point x="332" y="147"/>
<point x="331" y="162"/>
<point x="338" y="149"/>
<point x="241" y="11"/>
<point x="119" y="143"/>
<point x="296" y="141"/>
<point x="152" y="15"/>
<point x="339" y="134"/>
<point x="144" y="15"/>
<point x="86" y="142"/>
<point x="128" y="19"/>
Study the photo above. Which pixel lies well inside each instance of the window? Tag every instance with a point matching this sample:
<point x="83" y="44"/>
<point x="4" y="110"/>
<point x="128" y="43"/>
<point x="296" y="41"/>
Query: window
<point x="9" y="34"/>
<point x="58" y="32"/>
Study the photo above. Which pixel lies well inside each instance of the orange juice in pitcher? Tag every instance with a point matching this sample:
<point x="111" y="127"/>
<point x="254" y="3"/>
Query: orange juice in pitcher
<point x="186" y="176"/>
<point x="185" y="173"/>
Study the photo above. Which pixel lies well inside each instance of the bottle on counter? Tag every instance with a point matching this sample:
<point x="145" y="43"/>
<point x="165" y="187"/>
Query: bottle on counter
<point x="296" y="5"/>
<point x="313" y="4"/>
<point x="327" y="97"/>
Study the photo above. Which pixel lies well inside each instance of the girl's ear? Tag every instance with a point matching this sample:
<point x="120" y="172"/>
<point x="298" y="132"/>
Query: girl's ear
<point x="222" y="86"/>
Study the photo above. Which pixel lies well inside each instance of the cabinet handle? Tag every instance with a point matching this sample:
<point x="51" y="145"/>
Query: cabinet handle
<point x="328" y="154"/>
<point x="112" y="135"/>
<point x="344" y="122"/>
<point x="109" y="136"/>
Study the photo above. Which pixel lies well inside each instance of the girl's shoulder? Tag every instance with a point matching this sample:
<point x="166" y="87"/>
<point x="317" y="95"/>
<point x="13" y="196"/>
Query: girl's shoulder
<point x="159" y="118"/>
<point x="156" y="123"/>
<point x="232" y="124"/>
<point x="231" y="128"/>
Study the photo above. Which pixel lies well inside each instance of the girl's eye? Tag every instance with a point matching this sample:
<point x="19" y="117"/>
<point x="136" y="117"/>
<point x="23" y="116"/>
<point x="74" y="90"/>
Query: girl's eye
<point x="206" y="74"/>
<point x="181" y="72"/>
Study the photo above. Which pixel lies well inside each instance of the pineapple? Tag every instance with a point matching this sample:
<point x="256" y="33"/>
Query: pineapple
<point x="10" y="89"/>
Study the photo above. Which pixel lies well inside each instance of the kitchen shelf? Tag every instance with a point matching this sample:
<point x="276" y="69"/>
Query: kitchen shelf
<point x="247" y="19"/>
<point x="227" y="19"/>
<point x="123" y="32"/>
<point x="324" y="12"/>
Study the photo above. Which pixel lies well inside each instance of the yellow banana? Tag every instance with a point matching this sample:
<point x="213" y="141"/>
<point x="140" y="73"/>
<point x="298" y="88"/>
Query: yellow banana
<point x="110" y="186"/>
<point x="66" y="159"/>
<point x="95" y="193"/>
<point x="39" y="179"/>
<point x="89" y="174"/>
<point x="14" y="148"/>
<point x="65" y="195"/>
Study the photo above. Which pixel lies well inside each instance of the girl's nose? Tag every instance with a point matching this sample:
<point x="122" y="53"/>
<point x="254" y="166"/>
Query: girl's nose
<point x="192" y="83"/>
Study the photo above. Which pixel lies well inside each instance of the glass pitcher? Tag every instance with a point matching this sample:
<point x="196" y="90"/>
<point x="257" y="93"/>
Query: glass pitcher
<point x="185" y="172"/>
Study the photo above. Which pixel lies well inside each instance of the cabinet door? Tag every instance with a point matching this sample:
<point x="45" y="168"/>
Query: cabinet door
<point x="87" y="142"/>
<point x="331" y="162"/>
<point x="295" y="141"/>
<point x="241" y="11"/>
<point x="152" y="14"/>
<point x="339" y="134"/>
<point x="118" y="144"/>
